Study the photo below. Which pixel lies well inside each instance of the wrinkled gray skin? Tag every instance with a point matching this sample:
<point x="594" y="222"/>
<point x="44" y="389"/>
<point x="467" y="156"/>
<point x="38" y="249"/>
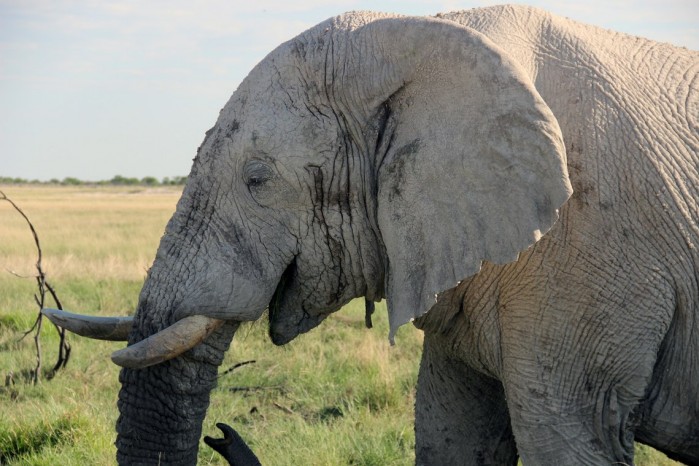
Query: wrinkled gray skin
<point x="591" y="338"/>
<point x="382" y="157"/>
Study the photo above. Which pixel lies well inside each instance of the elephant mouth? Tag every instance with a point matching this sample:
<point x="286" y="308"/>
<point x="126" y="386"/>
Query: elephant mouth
<point x="287" y="321"/>
<point x="275" y="303"/>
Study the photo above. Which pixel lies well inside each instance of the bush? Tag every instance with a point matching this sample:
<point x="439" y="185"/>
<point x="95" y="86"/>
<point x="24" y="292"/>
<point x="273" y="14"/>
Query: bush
<point x="150" y="181"/>
<point x="123" y="181"/>
<point x="118" y="180"/>
<point x="70" y="181"/>
<point x="10" y="180"/>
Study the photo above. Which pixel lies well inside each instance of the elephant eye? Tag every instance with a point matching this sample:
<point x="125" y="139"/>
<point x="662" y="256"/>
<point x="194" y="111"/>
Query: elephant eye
<point x="256" y="173"/>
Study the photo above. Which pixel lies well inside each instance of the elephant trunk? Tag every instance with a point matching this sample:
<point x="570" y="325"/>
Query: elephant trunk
<point x="203" y="283"/>
<point x="162" y="404"/>
<point x="162" y="407"/>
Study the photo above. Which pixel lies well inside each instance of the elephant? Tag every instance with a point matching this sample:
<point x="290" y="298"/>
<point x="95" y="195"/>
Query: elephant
<point x="521" y="187"/>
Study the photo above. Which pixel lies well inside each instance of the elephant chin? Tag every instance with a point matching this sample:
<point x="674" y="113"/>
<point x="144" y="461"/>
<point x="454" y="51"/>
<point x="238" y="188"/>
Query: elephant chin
<point x="282" y="332"/>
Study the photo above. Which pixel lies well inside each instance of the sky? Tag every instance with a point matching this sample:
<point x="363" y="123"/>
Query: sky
<point x="97" y="88"/>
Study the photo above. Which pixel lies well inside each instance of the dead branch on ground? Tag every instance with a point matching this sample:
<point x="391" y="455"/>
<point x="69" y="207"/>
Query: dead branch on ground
<point x="235" y="366"/>
<point x="44" y="288"/>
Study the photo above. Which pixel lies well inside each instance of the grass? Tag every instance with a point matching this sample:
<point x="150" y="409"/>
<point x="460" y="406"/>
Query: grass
<point x="338" y="395"/>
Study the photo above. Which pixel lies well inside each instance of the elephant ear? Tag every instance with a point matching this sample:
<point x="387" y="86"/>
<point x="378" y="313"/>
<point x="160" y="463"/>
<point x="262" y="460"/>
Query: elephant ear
<point x="470" y="162"/>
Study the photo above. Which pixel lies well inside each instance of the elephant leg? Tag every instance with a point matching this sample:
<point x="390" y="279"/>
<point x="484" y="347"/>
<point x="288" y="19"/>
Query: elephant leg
<point x="460" y="414"/>
<point x="551" y="432"/>
<point x="570" y="404"/>
<point x="571" y="401"/>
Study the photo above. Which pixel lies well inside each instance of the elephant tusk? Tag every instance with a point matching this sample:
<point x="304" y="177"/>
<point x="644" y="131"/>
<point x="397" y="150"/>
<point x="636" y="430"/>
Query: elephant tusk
<point x="100" y="328"/>
<point x="168" y="343"/>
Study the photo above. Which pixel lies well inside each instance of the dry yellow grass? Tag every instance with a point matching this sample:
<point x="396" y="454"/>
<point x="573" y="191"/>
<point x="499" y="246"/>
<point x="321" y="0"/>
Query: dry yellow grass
<point x="100" y="233"/>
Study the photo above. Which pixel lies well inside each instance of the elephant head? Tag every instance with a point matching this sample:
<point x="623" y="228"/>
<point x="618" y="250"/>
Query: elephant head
<point x="370" y="156"/>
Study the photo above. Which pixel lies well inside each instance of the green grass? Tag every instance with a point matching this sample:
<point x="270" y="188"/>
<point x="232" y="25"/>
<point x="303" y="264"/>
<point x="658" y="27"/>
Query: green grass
<point x="338" y="395"/>
<point x="322" y="399"/>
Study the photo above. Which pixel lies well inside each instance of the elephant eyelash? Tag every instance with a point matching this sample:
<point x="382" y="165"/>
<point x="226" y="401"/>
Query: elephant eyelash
<point x="257" y="173"/>
<point x="255" y="181"/>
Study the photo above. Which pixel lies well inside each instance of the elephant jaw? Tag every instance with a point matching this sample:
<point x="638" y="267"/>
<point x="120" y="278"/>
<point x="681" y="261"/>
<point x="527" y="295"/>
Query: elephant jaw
<point x="167" y="344"/>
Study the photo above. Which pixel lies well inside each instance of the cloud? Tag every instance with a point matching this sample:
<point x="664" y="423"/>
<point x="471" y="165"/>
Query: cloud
<point x="150" y="77"/>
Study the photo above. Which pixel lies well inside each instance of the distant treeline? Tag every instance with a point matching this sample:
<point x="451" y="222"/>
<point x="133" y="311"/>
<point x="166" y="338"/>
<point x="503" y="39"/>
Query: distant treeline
<point x="116" y="181"/>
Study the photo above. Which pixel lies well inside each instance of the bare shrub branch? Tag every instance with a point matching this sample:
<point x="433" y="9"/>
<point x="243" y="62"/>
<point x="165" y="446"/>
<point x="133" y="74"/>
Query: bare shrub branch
<point x="44" y="288"/>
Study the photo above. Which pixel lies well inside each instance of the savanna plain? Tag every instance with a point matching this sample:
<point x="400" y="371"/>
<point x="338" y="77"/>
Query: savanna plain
<point x="339" y="395"/>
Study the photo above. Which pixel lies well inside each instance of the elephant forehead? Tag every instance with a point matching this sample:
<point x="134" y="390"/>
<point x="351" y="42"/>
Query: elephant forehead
<point x="270" y="129"/>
